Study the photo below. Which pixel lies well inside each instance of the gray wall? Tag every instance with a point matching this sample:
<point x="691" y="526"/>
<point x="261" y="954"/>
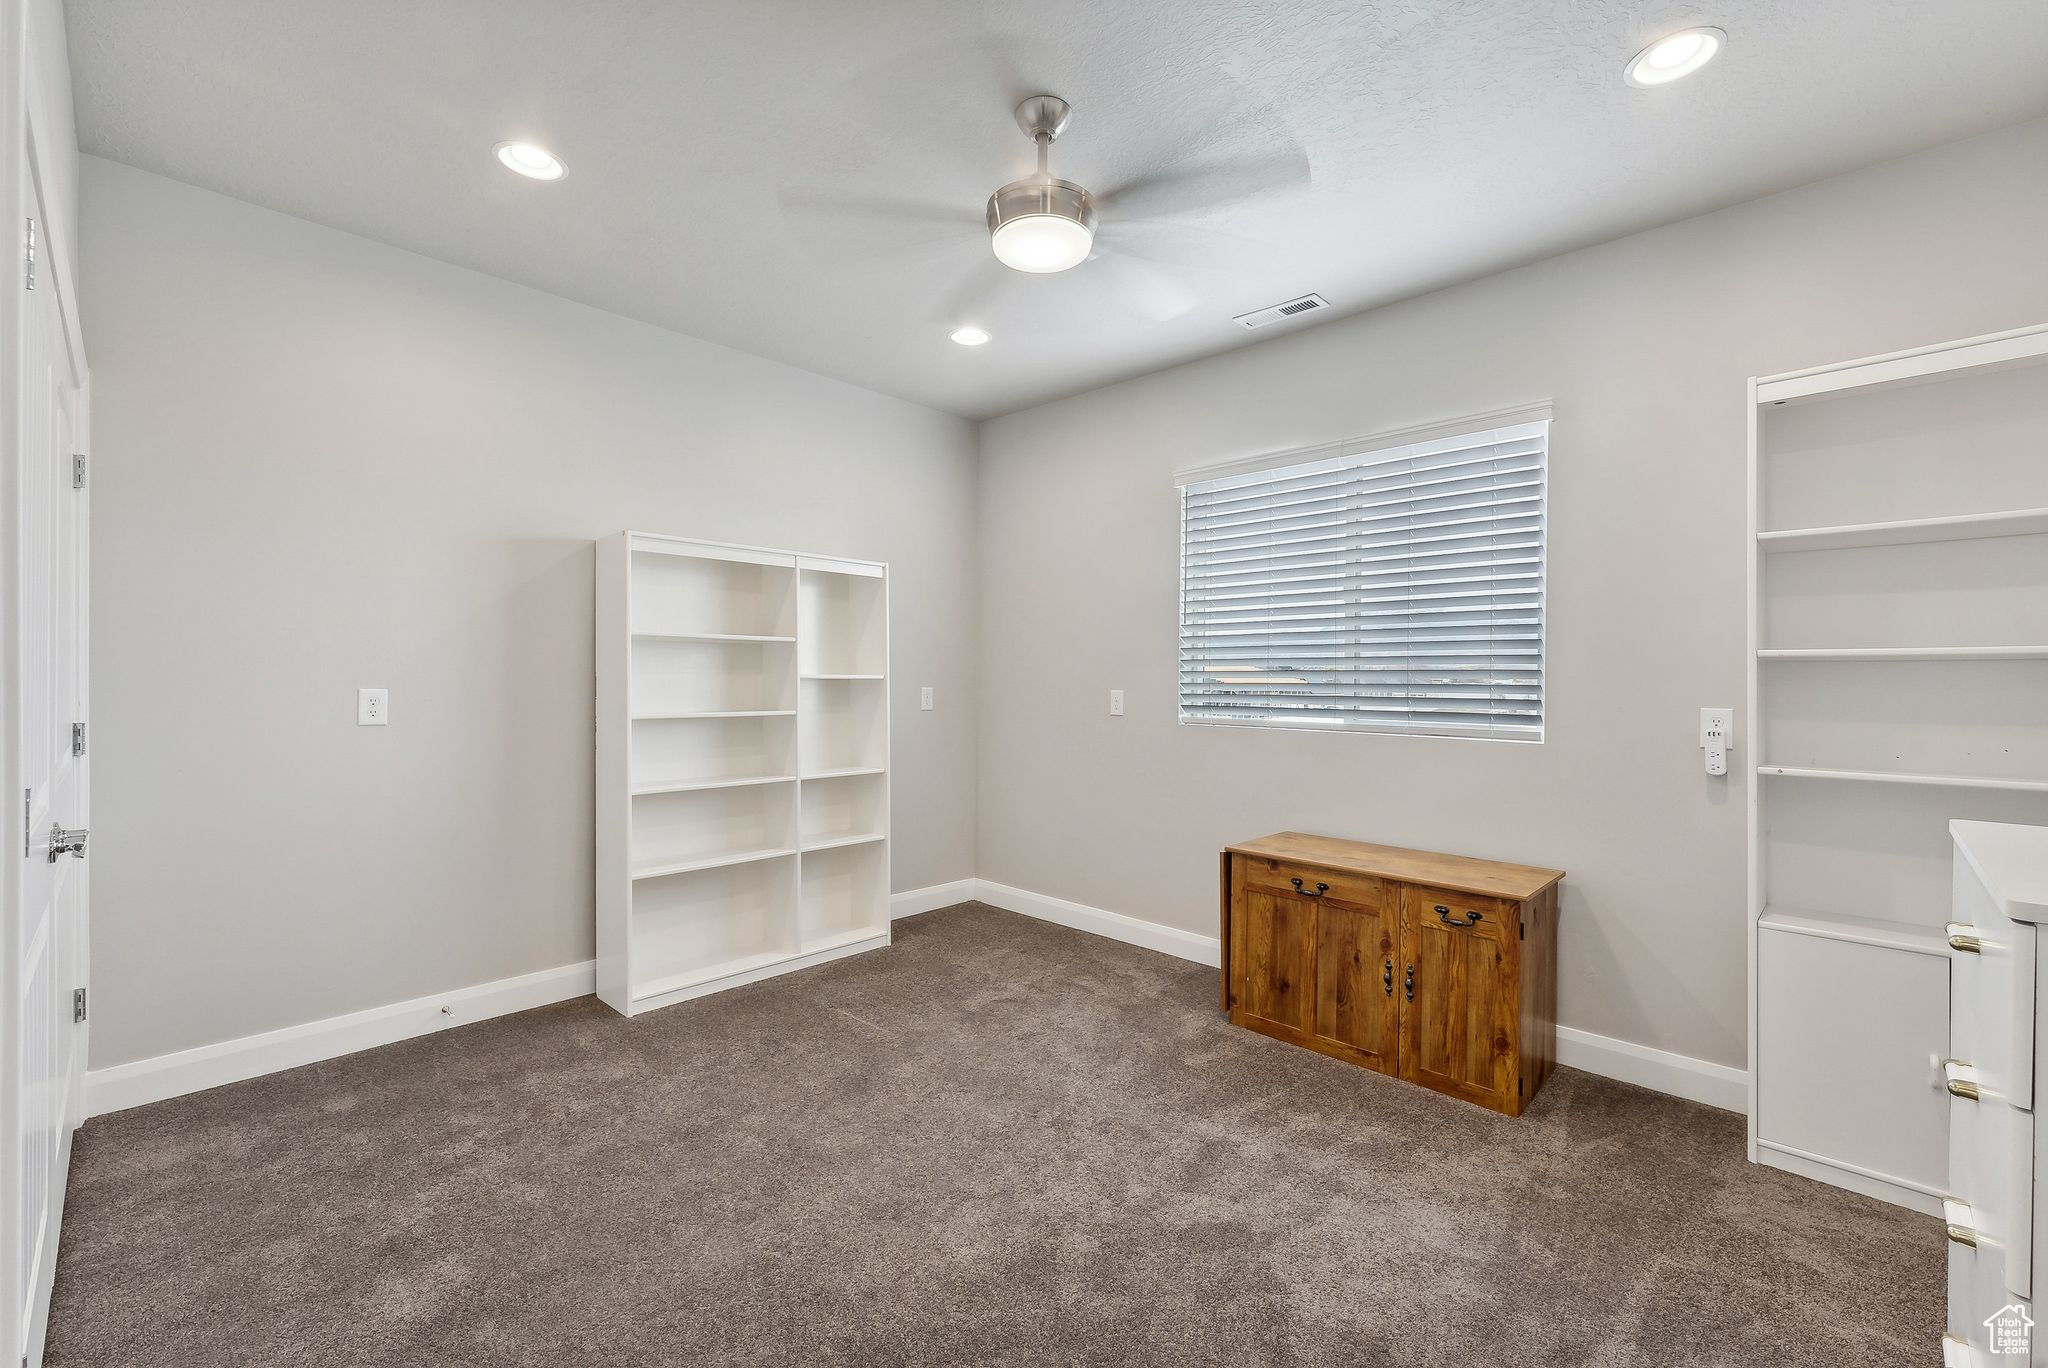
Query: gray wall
<point x="322" y="463"/>
<point x="1644" y="344"/>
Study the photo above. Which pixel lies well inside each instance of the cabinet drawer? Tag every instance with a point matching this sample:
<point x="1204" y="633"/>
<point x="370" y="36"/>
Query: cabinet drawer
<point x="1991" y="1001"/>
<point x="1487" y="918"/>
<point x="1285" y="876"/>
<point x="1990" y="1167"/>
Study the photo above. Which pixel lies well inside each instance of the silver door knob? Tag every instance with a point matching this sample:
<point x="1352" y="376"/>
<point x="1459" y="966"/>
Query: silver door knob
<point x="70" y="842"/>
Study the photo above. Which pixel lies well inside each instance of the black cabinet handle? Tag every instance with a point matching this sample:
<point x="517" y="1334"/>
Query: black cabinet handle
<point x="1321" y="888"/>
<point x="1471" y="918"/>
<point x="1410" y="984"/>
<point x="1388" y="979"/>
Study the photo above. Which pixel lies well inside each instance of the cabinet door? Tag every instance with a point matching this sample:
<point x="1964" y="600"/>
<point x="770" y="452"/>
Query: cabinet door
<point x="1458" y="1021"/>
<point x="1357" y="1007"/>
<point x="1271" y="958"/>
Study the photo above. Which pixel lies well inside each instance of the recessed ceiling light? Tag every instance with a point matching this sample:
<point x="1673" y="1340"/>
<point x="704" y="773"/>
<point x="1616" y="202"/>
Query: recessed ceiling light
<point x="969" y="337"/>
<point x="1674" y="57"/>
<point x="531" y="159"/>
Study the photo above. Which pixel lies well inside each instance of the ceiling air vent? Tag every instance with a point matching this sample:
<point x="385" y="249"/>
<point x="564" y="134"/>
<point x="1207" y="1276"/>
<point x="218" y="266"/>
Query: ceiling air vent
<point x="1293" y="308"/>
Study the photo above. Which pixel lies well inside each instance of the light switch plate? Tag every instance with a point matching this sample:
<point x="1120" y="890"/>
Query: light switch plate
<point x="924" y="698"/>
<point x="1116" y="702"/>
<point x="373" y="707"/>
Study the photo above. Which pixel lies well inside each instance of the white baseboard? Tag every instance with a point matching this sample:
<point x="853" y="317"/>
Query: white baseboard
<point x="230" y="1061"/>
<point x="1869" y="1182"/>
<point x="1696" y="1080"/>
<point x="931" y="899"/>
<point x="1170" y="940"/>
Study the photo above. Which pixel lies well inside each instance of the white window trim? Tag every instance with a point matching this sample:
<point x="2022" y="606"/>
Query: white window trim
<point x="1358" y="446"/>
<point x="1451" y="432"/>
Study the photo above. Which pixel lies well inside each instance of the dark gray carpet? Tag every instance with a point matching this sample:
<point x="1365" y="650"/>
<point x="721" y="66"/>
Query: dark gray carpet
<point x="998" y="1142"/>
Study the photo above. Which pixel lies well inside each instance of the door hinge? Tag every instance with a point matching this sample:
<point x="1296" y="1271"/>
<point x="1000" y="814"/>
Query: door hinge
<point x="77" y="1004"/>
<point x="78" y="738"/>
<point x="1521" y="928"/>
<point x="28" y="258"/>
<point x="27" y="836"/>
<point x="78" y="472"/>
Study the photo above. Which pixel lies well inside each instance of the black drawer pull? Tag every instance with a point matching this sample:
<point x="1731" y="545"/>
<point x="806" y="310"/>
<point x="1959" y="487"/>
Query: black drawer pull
<point x="1321" y="888"/>
<point x="1389" y="978"/>
<point x="1410" y="985"/>
<point x="1471" y="918"/>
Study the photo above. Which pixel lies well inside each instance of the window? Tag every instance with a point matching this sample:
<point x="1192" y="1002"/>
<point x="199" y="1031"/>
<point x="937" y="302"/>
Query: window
<point x="1394" y="584"/>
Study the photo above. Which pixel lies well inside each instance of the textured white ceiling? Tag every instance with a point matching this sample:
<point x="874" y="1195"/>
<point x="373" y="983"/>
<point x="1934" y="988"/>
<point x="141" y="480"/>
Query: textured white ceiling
<point x="1442" y="139"/>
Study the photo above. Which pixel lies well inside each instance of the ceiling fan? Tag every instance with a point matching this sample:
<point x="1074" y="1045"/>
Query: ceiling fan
<point x="1042" y="225"/>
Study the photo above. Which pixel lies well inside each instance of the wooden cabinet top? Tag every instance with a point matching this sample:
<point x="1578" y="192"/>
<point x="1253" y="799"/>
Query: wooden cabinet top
<point x="1459" y="873"/>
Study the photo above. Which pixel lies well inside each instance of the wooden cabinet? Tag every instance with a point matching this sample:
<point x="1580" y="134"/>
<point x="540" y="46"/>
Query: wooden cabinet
<point x="1436" y="968"/>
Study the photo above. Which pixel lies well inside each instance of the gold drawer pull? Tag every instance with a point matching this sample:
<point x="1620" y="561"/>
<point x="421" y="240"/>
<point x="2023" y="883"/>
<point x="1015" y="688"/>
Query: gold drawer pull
<point x="1962" y="1226"/>
<point x="1962" y="936"/>
<point x="1961" y="1080"/>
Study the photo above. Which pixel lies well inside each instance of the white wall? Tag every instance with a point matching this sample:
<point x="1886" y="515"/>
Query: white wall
<point x="1644" y="345"/>
<point x="321" y="463"/>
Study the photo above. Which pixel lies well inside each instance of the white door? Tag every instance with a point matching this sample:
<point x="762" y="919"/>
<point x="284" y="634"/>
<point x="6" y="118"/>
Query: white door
<point x="46" y="1054"/>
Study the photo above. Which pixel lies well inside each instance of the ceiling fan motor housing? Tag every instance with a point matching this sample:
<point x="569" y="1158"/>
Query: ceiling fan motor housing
<point x="1059" y="214"/>
<point x="1024" y="198"/>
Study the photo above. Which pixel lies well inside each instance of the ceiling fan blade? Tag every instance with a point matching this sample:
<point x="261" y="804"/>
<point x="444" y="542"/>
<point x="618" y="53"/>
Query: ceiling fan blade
<point x="1176" y="244"/>
<point x="977" y="80"/>
<point x="842" y="228"/>
<point x="1193" y="187"/>
<point x="1151" y="291"/>
<point x="972" y="300"/>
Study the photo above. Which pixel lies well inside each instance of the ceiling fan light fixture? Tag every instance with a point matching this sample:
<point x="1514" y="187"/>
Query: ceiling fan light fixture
<point x="1674" y="56"/>
<point x="1041" y="226"/>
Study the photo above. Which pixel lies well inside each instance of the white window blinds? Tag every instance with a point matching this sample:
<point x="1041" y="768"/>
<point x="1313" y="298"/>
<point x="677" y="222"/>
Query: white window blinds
<point x="1393" y="589"/>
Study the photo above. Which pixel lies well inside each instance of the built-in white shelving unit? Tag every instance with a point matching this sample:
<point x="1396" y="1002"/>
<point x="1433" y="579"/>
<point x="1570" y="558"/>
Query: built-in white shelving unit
<point x="1898" y="679"/>
<point x="742" y="765"/>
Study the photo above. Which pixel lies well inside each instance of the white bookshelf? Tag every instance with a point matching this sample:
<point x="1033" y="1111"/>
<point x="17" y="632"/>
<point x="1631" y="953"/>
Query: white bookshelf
<point x="742" y="765"/>
<point x="1898" y="678"/>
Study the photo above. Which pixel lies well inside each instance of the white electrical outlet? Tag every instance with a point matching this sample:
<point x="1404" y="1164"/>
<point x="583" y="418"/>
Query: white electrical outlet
<point x="1116" y="702"/>
<point x="924" y="698"/>
<point x="1717" y="737"/>
<point x="373" y="707"/>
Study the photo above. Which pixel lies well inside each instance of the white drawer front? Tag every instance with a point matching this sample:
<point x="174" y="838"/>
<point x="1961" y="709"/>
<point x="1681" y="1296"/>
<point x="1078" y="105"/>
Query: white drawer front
<point x="2018" y="1161"/>
<point x="1980" y="1306"/>
<point x="1990" y="1148"/>
<point x="1992" y="1005"/>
